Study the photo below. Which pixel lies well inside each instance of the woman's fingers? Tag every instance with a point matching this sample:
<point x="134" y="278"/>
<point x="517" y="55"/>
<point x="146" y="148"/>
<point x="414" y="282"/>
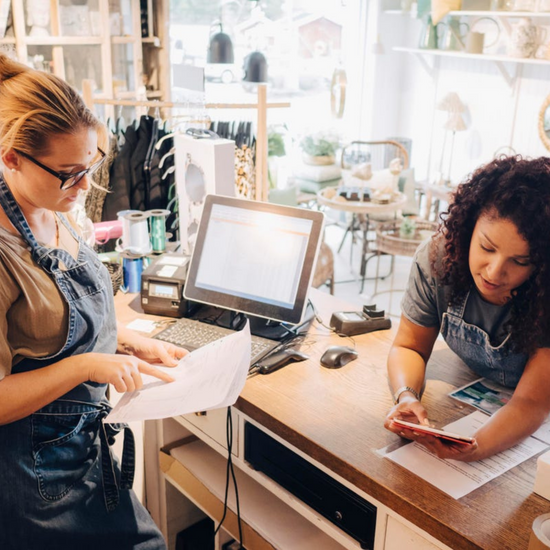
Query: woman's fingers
<point x="145" y="368"/>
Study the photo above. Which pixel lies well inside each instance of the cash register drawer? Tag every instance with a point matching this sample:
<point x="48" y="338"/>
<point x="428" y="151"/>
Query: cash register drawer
<point x="337" y="503"/>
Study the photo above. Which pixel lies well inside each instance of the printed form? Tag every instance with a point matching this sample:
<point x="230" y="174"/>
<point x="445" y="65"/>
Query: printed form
<point x="210" y="377"/>
<point x="460" y="478"/>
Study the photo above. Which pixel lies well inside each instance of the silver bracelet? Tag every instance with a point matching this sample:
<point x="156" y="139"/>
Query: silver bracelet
<point x="403" y="389"/>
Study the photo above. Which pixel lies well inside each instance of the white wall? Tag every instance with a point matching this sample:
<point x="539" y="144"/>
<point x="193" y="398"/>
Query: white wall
<point x="404" y="96"/>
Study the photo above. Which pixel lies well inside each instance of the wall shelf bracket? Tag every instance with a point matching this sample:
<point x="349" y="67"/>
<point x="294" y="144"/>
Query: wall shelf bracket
<point x="429" y="68"/>
<point x="509" y="79"/>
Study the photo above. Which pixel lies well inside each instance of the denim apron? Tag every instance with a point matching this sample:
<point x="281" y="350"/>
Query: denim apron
<point x="472" y="344"/>
<point x="60" y="487"/>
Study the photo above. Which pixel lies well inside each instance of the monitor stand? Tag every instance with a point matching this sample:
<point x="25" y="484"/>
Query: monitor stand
<point x="259" y="326"/>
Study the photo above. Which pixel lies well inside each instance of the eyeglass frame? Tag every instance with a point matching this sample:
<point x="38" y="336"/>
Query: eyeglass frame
<point x="64" y="176"/>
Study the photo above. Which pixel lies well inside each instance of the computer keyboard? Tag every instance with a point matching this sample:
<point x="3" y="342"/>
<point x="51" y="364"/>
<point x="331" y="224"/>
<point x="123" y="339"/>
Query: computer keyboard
<point x="190" y="334"/>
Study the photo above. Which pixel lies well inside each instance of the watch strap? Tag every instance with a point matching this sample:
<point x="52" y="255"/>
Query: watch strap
<point x="403" y="389"/>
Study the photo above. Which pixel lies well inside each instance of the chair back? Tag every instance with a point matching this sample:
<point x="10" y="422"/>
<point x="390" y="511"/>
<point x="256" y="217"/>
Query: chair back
<point x="378" y="153"/>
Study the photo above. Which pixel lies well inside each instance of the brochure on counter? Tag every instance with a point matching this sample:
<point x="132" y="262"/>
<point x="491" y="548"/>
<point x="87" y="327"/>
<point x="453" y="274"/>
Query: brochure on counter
<point x="489" y="397"/>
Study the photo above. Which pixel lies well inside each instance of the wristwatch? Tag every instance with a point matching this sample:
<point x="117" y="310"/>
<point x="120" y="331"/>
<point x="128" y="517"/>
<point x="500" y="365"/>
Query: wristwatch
<point x="403" y="389"/>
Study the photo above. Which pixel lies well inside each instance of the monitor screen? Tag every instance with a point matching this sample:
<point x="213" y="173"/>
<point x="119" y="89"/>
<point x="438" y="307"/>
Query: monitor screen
<point x="254" y="257"/>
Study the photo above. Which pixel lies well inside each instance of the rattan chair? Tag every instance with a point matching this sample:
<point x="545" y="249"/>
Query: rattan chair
<point x="324" y="270"/>
<point x="379" y="154"/>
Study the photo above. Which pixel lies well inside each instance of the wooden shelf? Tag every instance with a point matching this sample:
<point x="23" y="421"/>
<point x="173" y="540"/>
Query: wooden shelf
<point x="268" y="522"/>
<point x="123" y="39"/>
<point x="64" y="41"/>
<point x="154" y="40"/>
<point x="7" y="40"/>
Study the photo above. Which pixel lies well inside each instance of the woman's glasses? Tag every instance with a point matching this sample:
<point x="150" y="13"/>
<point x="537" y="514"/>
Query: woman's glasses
<point x="68" y="180"/>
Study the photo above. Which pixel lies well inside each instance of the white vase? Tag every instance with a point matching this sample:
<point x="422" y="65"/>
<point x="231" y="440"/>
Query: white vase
<point x="319" y="161"/>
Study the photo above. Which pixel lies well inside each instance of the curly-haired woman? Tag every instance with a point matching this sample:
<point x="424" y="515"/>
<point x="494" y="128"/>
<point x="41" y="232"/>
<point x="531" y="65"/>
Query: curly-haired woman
<point x="483" y="281"/>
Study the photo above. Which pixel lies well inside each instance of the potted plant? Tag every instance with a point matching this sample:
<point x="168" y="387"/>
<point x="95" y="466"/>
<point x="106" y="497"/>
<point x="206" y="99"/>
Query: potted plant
<point x="275" y="150"/>
<point x="319" y="148"/>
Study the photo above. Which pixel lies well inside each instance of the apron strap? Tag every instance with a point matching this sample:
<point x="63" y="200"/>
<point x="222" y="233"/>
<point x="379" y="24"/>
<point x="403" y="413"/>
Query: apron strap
<point x="110" y="486"/>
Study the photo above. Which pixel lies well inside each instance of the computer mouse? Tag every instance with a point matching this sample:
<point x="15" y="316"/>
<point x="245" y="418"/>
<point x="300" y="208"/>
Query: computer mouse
<point x="338" y="356"/>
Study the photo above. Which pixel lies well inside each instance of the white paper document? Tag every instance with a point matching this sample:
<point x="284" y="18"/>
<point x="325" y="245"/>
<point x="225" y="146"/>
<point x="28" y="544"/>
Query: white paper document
<point x="210" y="377"/>
<point x="460" y="478"/>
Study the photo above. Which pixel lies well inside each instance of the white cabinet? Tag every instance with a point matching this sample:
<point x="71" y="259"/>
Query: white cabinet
<point x="192" y="468"/>
<point x="399" y="537"/>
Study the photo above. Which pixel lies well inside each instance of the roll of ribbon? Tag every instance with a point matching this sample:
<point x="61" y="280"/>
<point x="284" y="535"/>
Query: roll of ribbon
<point x="157" y="221"/>
<point x="540" y="533"/>
<point x="135" y="232"/>
<point x="132" y="267"/>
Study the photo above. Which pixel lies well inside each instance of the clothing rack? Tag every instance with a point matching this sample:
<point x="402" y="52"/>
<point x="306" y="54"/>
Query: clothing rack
<point x="262" y="182"/>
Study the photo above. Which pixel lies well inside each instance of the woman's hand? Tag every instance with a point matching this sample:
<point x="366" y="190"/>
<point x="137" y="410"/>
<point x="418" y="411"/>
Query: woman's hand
<point x="409" y="409"/>
<point x="445" y="449"/>
<point x="149" y="349"/>
<point x="122" y="371"/>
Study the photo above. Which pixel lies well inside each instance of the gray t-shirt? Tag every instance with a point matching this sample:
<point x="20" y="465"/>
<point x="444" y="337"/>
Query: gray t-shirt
<point x="426" y="300"/>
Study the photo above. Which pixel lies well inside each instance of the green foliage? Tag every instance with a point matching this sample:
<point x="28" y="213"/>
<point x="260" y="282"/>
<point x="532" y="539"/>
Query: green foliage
<point x="275" y="144"/>
<point x="319" y="145"/>
<point x="408" y="228"/>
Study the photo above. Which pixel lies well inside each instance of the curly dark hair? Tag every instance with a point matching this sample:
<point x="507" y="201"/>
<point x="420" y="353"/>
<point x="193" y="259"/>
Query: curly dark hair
<point x="518" y="190"/>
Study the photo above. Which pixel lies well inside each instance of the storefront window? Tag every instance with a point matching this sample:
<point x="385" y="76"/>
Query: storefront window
<point x="303" y="41"/>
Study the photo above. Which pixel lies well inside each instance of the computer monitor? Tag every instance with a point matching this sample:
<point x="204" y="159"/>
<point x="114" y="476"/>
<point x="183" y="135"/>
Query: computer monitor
<point x="254" y="257"/>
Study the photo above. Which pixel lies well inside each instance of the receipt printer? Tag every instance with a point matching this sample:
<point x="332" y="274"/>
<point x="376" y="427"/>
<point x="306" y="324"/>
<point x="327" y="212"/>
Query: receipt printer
<point x="162" y="285"/>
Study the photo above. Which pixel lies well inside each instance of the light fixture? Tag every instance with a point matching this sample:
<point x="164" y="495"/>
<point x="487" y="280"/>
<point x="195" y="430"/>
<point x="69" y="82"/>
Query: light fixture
<point x="452" y="104"/>
<point x="220" y="49"/>
<point x="255" y="67"/>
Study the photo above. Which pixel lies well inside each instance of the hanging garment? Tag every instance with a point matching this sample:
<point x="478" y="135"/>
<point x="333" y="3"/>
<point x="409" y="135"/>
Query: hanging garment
<point x="59" y="485"/>
<point x="95" y="198"/>
<point x="120" y="177"/>
<point x="139" y="192"/>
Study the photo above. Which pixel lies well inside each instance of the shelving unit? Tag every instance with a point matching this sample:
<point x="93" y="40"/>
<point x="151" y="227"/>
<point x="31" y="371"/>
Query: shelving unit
<point x="268" y="522"/>
<point x="499" y="60"/>
<point x="116" y="63"/>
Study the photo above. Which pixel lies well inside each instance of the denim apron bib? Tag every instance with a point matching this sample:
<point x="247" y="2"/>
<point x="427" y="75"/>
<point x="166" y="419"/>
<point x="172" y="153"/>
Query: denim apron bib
<point x="59" y="485"/>
<point x="472" y="344"/>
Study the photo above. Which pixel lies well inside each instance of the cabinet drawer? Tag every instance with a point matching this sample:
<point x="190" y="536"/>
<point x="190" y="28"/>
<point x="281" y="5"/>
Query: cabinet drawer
<point x="212" y="424"/>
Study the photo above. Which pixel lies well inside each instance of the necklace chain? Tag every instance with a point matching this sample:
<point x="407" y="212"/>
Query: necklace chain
<point x="56" y="230"/>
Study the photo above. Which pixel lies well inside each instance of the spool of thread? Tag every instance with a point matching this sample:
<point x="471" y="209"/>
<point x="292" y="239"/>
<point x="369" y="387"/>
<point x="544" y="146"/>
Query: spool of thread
<point x="157" y="222"/>
<point x="540" y="533"/>
<point x="132" y="267"/>
<point x="135" y="232"/>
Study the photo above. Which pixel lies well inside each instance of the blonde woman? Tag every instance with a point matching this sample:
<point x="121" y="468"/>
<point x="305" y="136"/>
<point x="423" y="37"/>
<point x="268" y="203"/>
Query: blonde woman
<point x="59" y="485"/>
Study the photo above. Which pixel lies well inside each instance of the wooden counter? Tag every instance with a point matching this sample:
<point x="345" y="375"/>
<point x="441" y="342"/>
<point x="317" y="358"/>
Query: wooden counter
<point x="336" y="418"/>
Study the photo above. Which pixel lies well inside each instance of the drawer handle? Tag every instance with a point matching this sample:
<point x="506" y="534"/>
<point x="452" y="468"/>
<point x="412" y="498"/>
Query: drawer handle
<point x="338" y="516"/>
<point x="200" y="413"/>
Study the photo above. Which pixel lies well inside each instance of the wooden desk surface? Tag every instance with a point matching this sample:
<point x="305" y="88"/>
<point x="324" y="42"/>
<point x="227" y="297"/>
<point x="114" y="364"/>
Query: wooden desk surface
<point x="336" y="417"/>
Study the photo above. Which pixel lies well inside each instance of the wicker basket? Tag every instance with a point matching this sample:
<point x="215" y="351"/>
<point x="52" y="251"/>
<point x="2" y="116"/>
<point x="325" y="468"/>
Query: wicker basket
<point x="389" y="241"/>
<point x="115" y="271"/>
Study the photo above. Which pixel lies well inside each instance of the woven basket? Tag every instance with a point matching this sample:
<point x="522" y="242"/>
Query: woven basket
<point x="115" y="271"/>
<point x="389" y="241"/>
